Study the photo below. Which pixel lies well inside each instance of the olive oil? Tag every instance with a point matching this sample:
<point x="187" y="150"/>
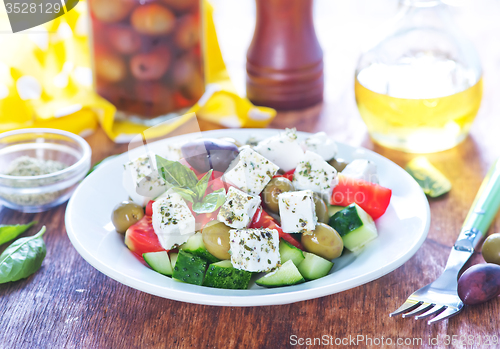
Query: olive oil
<point x="418" y="107"/>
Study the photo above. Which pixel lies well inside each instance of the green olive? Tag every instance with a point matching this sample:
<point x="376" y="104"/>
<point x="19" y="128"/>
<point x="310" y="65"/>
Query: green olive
<point x="215" y="236"/>
<point x="324" y="242"/>
<point x="321" y="209"/>
<point x="125" y="214"/>
<point x="274" y="188"/>
<point x="491" y="249"/>
<point x="339" y="164"/>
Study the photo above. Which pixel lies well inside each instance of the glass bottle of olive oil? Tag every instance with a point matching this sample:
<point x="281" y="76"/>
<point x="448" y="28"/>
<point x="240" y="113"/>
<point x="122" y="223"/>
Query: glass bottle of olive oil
<point x="420" y="88"/>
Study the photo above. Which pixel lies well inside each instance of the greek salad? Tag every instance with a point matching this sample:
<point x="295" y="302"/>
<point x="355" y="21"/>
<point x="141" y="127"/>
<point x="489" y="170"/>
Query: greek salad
<point x="279" y="211"/>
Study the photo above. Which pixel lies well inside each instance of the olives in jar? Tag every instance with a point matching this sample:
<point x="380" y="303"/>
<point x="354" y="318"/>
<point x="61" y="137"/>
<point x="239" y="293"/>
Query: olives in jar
<point x="339" y="164"/>
<point x="109" y="66"/>
<point x="183" y="70"/>
<point x="324" y="242"/>
<point x="126" y="214"/>
<point x="215" y="236"/>
<point x="151" y="65"/>
<point x="152" y="96"/>
<point x="208" y="153"/>
<point x="124" y="40"/>
<point x="180" y="4"/>
<point x="153" y="92"/>
<point x="275" y="187"/>
<point x="321" y="209"/>
<point x="491" y="249"/>
<point x="479" y="283"/>
<point x="110" y="11"/>
<point x="187" y="32"/>
<point x="152" y="41"/>
<point x="153" y="19"/>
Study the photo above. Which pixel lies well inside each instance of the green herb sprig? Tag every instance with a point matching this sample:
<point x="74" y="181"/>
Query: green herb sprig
<point x="185" y="183"/>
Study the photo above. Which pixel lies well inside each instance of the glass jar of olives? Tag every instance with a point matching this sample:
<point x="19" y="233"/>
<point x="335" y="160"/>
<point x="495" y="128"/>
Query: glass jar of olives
<point x="147" y="56"/>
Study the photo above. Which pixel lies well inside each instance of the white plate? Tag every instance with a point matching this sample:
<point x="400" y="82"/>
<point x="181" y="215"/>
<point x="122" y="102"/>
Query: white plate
<point x="402" y="230"/>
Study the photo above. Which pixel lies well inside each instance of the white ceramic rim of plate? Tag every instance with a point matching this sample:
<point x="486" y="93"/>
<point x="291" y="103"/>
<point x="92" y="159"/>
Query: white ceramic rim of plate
<point x="253" y="297"/>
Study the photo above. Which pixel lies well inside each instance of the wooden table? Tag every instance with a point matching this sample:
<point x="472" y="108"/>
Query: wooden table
<point x="69" y="304"/>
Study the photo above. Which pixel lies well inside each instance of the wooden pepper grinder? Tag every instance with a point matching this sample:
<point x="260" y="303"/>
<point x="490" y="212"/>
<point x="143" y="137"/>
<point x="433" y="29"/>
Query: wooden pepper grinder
<point x="285" y="60"/>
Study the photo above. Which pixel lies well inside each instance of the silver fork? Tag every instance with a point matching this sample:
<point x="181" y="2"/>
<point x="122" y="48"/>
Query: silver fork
<point x="440" y="298"/>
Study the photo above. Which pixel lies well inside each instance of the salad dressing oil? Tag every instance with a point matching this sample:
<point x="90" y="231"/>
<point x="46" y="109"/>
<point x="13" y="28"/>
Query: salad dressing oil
<point x="419" y="106"/>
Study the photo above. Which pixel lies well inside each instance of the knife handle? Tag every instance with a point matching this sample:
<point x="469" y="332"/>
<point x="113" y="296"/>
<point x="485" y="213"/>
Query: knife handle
<point x="483" y="211"/>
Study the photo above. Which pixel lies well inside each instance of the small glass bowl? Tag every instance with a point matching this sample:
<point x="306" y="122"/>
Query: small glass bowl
<point x="40" y="193"/>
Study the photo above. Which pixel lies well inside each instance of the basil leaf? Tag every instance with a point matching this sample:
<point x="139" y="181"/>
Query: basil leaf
<point x="10" y="232"/>
<point x="211" y="202"/>
<point x="176" y="173"/>
<point x="201" y="186"/>
<point x="187" y="194"/>
<point x="22" y="258"/>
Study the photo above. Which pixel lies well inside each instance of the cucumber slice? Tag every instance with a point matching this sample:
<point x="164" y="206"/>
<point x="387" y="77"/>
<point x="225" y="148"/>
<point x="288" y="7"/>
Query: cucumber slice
<point x="355" y="226"/>
<point x="433" y="182"/>
<point x="223" y="275"/>
<point x="189" y="268"/>
<point x="159" y="262"/>
<point x="286" y="275"/>
<point x="314" y="267"/>
<point x="290" y="252"/>
<point x="334" y="209"/>
<point x="195" y="246"/>
<point x="173" y="258"/>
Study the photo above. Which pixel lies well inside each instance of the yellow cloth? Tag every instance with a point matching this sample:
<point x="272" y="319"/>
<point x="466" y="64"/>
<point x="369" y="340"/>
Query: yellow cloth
<point x="46" y="81"/>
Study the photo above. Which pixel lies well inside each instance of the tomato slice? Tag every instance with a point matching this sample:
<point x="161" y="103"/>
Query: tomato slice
<point x="287" y="175"/>
<point x="215" y="174"/>
<point x="372" y="198"/>
<point x="262" y="219"/>
<point x="149" y="208"/>
<point x="141" y="238"/>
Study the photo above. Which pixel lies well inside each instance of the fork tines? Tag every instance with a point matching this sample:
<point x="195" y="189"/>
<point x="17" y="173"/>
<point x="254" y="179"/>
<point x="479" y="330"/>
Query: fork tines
<point x="421" y="310"/>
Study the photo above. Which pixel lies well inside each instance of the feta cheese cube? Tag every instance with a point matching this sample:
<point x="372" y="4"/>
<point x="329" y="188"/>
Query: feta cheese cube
<point x="297" y="212"/>
<point x="142" y="180"/>
<point x="362" y="169"/>
<point x="254" y="250"/>
<point x="321" y="144"/>
<point x="315" y="174"/>
<point x="283" y="149"/>
<point x="173" y="221"/>
<point x="238" y="209"/>
<point x="250" y="172"/>
<point x="172" y="152"/>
